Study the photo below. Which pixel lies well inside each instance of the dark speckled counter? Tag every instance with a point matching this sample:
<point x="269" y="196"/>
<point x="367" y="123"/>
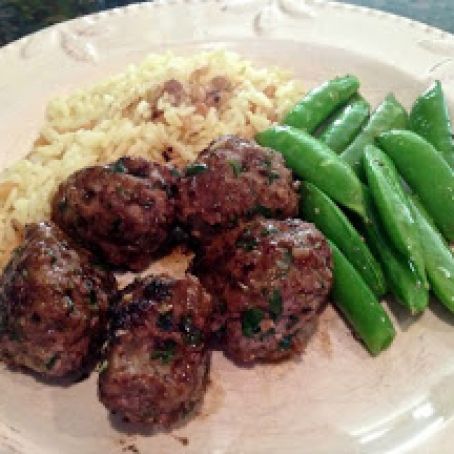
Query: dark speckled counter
<point x="20" y="17"/>
<point x="439" y="13"/>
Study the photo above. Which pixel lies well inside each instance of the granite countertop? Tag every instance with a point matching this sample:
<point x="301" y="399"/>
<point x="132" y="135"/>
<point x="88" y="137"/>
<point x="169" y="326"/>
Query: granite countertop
<point x="20" y="17"/>
<point x="439" y="13"/>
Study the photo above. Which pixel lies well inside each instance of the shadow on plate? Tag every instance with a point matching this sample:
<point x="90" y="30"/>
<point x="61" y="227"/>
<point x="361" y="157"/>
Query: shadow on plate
<point x="441" y="312"/>
<point x="405" y="320"/>
<point x="402" y="314"/>
<point x="60" y="382"/>
<point x="124" y="427"/>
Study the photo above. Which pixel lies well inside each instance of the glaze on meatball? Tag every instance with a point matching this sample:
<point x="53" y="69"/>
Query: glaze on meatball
<point x="269" y="279"/>
<point x="157" y="362"/>
<point x="233" y="179"/>
<point x="124" y="210"/>
<point x="53" y="304"/>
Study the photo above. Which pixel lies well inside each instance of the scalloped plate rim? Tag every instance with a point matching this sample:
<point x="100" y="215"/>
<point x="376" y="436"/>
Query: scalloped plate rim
<point x="17" y="442"/>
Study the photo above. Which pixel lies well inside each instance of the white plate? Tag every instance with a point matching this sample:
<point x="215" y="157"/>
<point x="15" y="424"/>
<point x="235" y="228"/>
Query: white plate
<point x="337" y="399"/>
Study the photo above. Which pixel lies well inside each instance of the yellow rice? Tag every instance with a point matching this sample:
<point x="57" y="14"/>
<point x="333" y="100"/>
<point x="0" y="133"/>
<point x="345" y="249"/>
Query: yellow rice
<point x="114" y="118"/>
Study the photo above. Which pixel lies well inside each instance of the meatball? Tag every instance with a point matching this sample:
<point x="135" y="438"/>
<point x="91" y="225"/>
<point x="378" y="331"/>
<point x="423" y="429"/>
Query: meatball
<point x="269" y="279"/>
<point x="123" y="211"/>
<point x="157" y="362"/>
<point x="53" y="304"/>
<point x="232" y="179"/>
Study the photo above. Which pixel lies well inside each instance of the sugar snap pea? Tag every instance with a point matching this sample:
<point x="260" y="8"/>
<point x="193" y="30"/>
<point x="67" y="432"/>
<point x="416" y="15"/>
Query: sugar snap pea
<point x="437" y="256"/>
<point x="321" y="102"/>
<point x="359" y="305"/>
<point x="403" y="281"/>
<point x="345" y="126"/>
<point x="388" y="115"/>
<point x="429" y="118"/>
<point x="313" y="161"/>
<point x="426" y="172"/>
<point x="393" y="207"/>
<point x="317" y="207"/>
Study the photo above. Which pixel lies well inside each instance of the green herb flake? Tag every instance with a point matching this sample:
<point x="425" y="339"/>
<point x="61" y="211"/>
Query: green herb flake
<point x="286" y="342"/>
<point x="262" y="210"/>
<point x="118" y="167"/>
<point x="175" y="172"/>
<point x="275" y="304"/>
<point x="53" y="259"/>
<point x="50" y="363"/>
<point x="273" y="176"/>
<point x="62" y="205"/>
<point x="165" y="352"/>
<point x="267" y="163"/>
<point x="237" y="167"/>
<point x="93" y="299"/>
<point x="195" y="169"/>
<point x="192" y="335"/>
<point x="247" y="241"/>
<point x="268" y="230"/>
<point x="102" y="366"/>
<point x="250" y="321"/>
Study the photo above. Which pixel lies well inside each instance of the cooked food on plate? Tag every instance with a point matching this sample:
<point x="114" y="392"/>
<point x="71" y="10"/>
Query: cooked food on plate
<point x="234" y="179"/>
<point x="157" y="360"/>
<point x="239" y="159"/>
<point x="167" y="108"/>
<point x="124" y="210"/>
<point x="269" y="280"/>
<point x="53" y="304"/>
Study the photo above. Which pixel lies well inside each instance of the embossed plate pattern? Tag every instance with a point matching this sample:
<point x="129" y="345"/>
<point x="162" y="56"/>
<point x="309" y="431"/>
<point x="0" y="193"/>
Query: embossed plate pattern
<point x="337" y="398"/>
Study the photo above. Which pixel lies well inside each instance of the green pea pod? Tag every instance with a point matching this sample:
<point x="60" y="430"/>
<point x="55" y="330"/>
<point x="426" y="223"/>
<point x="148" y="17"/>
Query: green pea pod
<point x="429" y="118"/>
<point x="426" y="172"/>
<point x="359" y="305"/>
<point x="389" y="115"/>
<point x="321" y="102"/>
<point x="393" y="207"/>
<point x="346" y="125"/>
<point x="313" y="161"/>
<point x="318" y="208"/>
<point x="437" y="255"/>
<point x="403" y="280"/>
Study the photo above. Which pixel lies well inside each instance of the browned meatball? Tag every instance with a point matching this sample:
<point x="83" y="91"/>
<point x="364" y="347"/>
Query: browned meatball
<point x="123" y="211"/>
<point x="157" y="361"/>
<point x="269" y="280"/>
<point x="53" y="304"/>
<point x="232" y="179"/>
